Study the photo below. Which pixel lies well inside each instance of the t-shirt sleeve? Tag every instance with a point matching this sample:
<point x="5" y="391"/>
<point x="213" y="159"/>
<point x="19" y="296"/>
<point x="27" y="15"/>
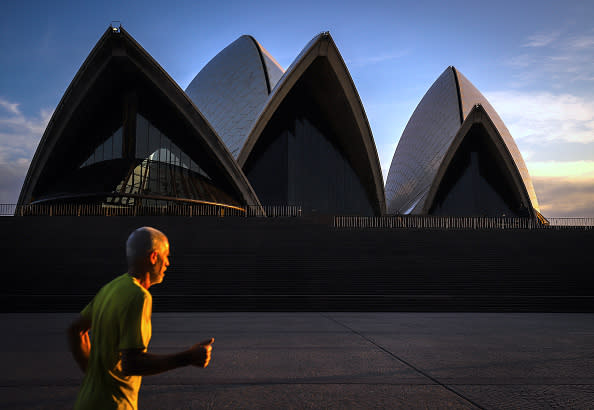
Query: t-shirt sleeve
<point x="135" y="325"/>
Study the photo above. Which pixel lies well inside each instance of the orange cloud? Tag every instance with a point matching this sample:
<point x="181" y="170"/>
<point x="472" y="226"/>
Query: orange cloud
<point x="565" y="196"/>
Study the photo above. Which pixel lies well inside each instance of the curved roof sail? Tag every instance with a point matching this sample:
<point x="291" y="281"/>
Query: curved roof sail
<point x="429" y="137"/>
<point x="471" y="96"/>
<point x="121" y="112"/>
<point x="478" y="174"/>
<point x="232" y="88"/>
<point x="319" y="80"/>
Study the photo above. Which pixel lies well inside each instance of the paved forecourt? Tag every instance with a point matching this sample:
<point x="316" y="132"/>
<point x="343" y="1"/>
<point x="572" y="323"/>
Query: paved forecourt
<point x="328" y="360"/>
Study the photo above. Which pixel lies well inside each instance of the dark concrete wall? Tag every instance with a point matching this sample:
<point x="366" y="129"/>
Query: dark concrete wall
<point x="59" y="263"/>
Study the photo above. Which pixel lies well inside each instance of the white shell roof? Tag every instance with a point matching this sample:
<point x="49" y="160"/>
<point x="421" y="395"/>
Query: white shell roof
<point x="470" y="96"/>
<point x="232" y="88"/>
<point x="428" y="136"/>
<point x="273" y="68"/>
<point x="322" y="45"/>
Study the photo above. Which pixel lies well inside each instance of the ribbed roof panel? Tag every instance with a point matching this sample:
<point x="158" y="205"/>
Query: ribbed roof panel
<point x="428" y="137"/>
<point x="273" y="68"/>
<point x="232" y="89"/>
<point x="424" y="143"/>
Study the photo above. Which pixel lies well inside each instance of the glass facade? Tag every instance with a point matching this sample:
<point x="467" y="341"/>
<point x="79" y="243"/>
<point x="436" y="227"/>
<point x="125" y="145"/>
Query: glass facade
<point x="110" y="149"/>
<point x="161" y="168"/>
<point x="159" y="172"/>
<point x="298" y="161"/>
<point x="477" y="183"/>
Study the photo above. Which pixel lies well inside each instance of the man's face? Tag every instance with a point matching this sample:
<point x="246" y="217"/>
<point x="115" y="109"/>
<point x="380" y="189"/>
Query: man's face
<point x="161" y="264"/>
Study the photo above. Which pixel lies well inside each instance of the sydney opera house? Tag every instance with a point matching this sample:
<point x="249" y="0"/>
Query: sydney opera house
<point x="247" y="133"/>
<point x="249" y="138"/>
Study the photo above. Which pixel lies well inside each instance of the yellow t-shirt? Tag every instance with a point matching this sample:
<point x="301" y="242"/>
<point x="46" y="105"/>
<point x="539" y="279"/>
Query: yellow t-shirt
<point x="120" y="319"/>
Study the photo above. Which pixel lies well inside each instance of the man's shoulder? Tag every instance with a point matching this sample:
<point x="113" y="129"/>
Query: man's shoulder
<point x="124" y="287"/>
<point x="116" y="283"/>
<point x="123" y="281"/>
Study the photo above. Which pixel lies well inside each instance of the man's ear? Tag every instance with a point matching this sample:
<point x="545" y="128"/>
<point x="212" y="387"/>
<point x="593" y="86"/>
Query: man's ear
<point x="154" y="257"/>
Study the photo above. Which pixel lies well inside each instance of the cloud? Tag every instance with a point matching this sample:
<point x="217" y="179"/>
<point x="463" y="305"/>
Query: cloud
<point x="538" y="116"/>
<point x="546" y="120"/>
<point x="564" y="188"/>
<point x="559" y="58"/>
<point x="10" y="107"/>
<point x="541" y="39"/>
<point x="568" y="169"/>
<point x="521" y="61"/>
<point x="11" y="181"/>
<point x="19" y="137"/>
<point x="582" y="42"/>
<point x="376" y="59"/>
<point x="565" y="197"/>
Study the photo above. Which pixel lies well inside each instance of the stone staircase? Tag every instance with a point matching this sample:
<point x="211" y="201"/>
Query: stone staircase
<point x="300" y="264"/>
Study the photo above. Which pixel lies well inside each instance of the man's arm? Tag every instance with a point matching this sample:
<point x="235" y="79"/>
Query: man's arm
<point x="138" y="363"/>
<point x="79" y="342"/>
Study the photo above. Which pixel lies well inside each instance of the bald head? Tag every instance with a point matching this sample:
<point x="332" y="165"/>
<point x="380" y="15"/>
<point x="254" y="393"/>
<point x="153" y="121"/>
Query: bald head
<point x="142" y="242"/>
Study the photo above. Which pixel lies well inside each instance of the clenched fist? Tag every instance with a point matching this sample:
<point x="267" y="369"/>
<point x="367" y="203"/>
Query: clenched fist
<point x="200" y="353"/>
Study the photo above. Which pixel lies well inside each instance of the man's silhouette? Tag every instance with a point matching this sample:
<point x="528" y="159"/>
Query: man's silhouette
<point x="114" y="358"/>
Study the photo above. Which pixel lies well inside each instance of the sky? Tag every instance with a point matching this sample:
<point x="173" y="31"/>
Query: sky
<point x="533" y="60"/>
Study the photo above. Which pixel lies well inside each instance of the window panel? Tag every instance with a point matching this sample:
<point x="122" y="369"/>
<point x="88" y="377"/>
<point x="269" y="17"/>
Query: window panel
<point x="142" y="136"/>
<point x="108" y="149"/>
<point x="117" y="143"/>
<point x="154" y="142"/>
<point x="162" y="168"/>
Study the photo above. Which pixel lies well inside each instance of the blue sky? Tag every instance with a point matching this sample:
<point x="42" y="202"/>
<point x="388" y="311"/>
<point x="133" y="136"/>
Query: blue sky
<point x="533" y="60"/>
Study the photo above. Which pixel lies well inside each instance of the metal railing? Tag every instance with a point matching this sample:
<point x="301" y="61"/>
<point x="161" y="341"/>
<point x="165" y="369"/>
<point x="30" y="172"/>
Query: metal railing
<point x="120" y="210"/>
<point x="348" y="222"/>
<point x="454" y="223"/>
<point x="182" y="209"/>
<point x="571" y="222"/>
<point x="7" y="209"/>
<point x="273" y="211"/>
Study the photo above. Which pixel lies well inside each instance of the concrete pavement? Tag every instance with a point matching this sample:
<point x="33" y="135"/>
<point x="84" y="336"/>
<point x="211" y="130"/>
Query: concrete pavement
<point x="328" y="360"/>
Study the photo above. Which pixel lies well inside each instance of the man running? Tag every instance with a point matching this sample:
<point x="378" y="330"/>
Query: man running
<point x="119" y="318"/>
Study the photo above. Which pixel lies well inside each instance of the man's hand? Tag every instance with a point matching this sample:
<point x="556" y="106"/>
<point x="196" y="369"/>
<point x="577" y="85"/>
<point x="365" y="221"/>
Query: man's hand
<point x="85" y="343"/>
<point x="200" y="353"/>
<point x="137" y="362"/>
<point x="79" y="343"/>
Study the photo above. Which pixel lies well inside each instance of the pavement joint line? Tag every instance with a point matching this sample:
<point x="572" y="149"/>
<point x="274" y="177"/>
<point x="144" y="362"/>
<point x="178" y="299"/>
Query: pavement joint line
<point x="403" y="361"/>
<point x="246" y="383"/>
<point x="162" y="383"/>
<point x="285" y="383"/>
